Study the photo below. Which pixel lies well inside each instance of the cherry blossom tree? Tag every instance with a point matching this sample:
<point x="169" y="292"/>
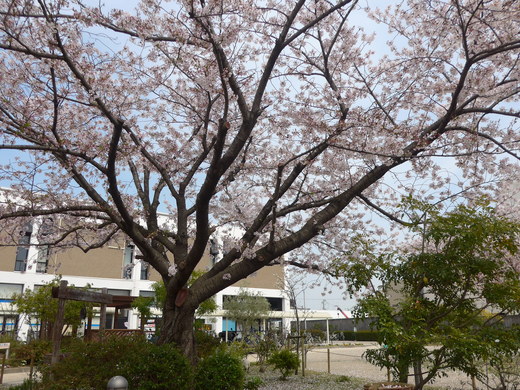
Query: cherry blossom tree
<point x="283" y="119"/>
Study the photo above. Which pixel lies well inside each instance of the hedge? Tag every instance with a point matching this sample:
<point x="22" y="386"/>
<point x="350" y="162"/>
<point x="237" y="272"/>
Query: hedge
<point x="360" y="335"/>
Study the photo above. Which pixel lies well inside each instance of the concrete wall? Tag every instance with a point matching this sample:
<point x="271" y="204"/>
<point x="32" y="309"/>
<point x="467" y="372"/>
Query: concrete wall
<point x="7" y="258"/>
<point x="106" y="262"/>
<point x="344" y="324"/>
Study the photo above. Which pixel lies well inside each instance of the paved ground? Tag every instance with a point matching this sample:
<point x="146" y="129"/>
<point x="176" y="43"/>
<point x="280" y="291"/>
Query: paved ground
<point x="14" y="376"/>
<point x="348" y="361"/>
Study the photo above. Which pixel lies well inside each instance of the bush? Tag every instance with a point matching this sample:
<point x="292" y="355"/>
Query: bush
<point x="285" y="361"/>
<point x="344" y="379"/>
<point x="23" y="353"/>
<point x="263" y="350"/>
<point x="239" y="349"/>
<point x="15" y="359"/>
<point x="87" y="365"/>
<point x="361" y="335"/>
<point x="157" y="367"/>
<point x="206" y="344"/>
<point x="146" y="366"/>
<point x="253" y="383"/>
<point x="220" y="371"/>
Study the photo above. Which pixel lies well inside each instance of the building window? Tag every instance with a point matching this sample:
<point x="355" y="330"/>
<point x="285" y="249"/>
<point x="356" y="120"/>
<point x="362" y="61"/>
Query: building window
<point x="8" y="324"/>
<point x="145" y="270"/>
<point x="118" y="292"/>
<point x="128" y="263"/>
<point x="22" y="252"/>
<point x="213" y="250"/>
<point x="43" y="259"/>
<point x="276" y="303"/>
<point x="146" y="293"/>
<point x="7" y="290"/>
<point x="44" y="231"/>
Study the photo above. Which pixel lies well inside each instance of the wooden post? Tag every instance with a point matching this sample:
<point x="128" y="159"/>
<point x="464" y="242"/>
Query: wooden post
<point x="116" y="318"/>
<point x="102" y="316"/>
<point x="4" y="350"/>
<point x="303" y="356"/>
<point x="328" y="360"/>
<point x="58" y="326"/>
<point x="88" y="331"/>
<point x="31" y="369"/>
<point x="297" y="353"/>
<point x="4" y="353"/>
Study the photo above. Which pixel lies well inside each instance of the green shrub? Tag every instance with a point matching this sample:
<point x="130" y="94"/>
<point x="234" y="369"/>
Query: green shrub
<point x="239" y="349"/>
<point x="263" y="350"/>
<point x="285" y="361"/>
<point x="15" y="359"/>
<point x="23" y="353"/>
<point x="221" y="371"/>
<point x="344" y="379"/>
<point x="205" y="343"/>
<point x="253" y="383"/>
<point x="87" y="365"/>
<point x="146" y="366"/>
<point x="157" y="367"/>
<point x="361" y="335"/>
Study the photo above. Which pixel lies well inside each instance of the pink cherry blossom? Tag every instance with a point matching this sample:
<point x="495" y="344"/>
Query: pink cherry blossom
<point x="296" y="124"/>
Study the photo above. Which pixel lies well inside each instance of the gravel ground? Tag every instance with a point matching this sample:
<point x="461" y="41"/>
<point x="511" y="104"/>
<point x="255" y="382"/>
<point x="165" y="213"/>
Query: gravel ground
<point x="348" y="361"/>
<point x="311" y="381"/>
<point x="350" y="371"/>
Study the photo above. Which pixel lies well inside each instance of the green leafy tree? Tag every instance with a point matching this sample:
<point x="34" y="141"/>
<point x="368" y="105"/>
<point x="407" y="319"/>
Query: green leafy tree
<point x="452" y="294"/>
<point x="247" y="309"/>
<point x="39" y="304"/>
<point x="144" y="306"/>
<point x="160" y="295"/>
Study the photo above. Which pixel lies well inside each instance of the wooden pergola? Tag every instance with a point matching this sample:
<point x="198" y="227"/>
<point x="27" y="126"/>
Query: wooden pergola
<point x="120" y="302"/>
<point x="64" y="293"/>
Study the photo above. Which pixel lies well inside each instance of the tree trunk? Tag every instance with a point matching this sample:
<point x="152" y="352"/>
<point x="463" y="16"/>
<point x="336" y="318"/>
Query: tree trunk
<point x="417" y="370"/>
<point x="178" y="328"/>
<point x="403" y="376"/>
<point x="402" y="369"/>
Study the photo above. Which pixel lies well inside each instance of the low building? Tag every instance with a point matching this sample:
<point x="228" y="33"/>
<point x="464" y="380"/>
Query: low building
<point x="115" y="267"/>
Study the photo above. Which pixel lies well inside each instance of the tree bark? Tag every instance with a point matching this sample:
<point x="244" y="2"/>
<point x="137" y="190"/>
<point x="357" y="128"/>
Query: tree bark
<point x="178" y="328"/>
<point x="402" y="368"/>
<point x="417" y="369"/>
